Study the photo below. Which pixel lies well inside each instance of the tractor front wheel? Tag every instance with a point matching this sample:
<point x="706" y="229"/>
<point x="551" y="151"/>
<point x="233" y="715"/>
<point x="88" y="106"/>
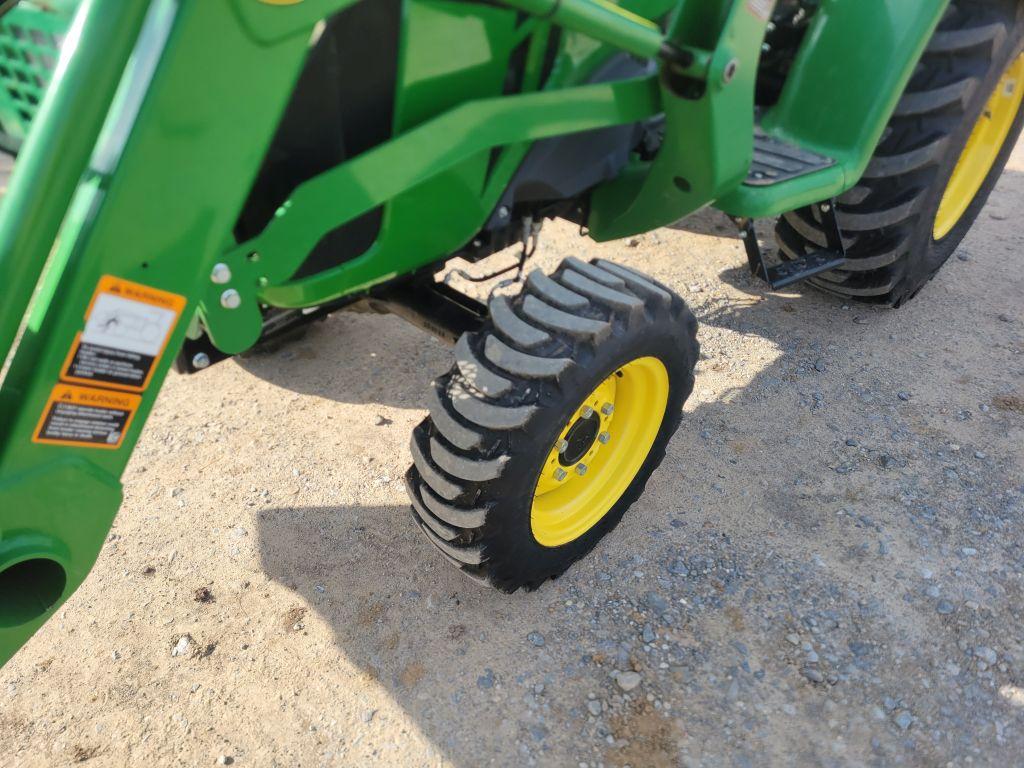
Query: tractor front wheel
<point x="550" y="423"/>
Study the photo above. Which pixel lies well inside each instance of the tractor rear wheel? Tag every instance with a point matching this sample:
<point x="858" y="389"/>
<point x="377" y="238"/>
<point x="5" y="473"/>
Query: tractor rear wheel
<point x="940" y="156"/>
<point x="551" y="421"/>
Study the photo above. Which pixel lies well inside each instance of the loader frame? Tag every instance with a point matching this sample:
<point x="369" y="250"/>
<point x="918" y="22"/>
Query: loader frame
<point x="148" y="141"/>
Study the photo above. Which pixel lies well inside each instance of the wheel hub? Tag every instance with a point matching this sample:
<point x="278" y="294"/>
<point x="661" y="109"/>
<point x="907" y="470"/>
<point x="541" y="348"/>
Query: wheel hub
<point x="579" y="439"/>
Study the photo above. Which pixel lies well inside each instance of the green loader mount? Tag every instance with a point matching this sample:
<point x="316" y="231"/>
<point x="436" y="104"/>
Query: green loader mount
<point x="197" y="177"/>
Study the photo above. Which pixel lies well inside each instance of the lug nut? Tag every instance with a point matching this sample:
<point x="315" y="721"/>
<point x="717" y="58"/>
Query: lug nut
<point x="581" y="469"/>
<point x="560" y="474"/>
<point x="607" y="409"/>
<point x="603" y="438"/>
<point x="200" y="360"/>
<point x="587" y="412"/>
<point x="230" y="299"/>
<point x="563" y="446"/>
<point x="221" y="273"/>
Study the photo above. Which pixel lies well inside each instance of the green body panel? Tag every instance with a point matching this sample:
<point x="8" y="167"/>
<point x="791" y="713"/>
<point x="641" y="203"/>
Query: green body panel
<point x="143" y="168"/>
<point x="840" y="96"/>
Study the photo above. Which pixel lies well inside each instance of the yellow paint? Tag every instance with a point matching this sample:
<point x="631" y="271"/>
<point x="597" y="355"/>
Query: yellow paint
<point x="563" y="510"/>
<point x="983" y="147"/>
<point x="620" y="11"/>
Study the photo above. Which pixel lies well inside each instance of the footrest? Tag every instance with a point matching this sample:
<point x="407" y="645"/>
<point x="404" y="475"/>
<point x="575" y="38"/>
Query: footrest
<point x="789" y="272"/>
<point x="776" y="161"/>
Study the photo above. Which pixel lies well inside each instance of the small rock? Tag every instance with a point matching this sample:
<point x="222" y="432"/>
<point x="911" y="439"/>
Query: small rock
<point x="986" y="654"/>
<point x="203" y="595"/>
<point x="656" y="602"/>
<point x="819" y="366"/>
<point x="627" y="681"/>
<point x="594" y="707"/>
<point x="486" y="680"/>
<point x="963" y="256"/>
<point x="181" y="647"/>
<point x="678" y="568"/>
<point x="225" y="760"/>
<point x="904" y="396"/>
<point x="944" y="607"/>
<point x="793" y="638"/>
<point x="812" y="674"/>
<point x="850" y="442"/>
<point x="968" y="551"/>
<point x="536" y="638"/>
<point x="368" y="715"/>
<point x="633" y="242"/>
<point x="383" y="421"/>
<point x="980" y="455"/>
<point x="1003" y="317"/>
<point x="648" y="634"/>
<point x="903" y="719"/>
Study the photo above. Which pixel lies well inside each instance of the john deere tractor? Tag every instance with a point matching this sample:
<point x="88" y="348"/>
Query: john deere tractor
<point x="197" y="177"/>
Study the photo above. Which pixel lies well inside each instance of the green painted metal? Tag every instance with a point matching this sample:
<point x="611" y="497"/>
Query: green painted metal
<point x="160" y="210"/>
<point x="679" y="180"/>
<point x="840" y="96"/>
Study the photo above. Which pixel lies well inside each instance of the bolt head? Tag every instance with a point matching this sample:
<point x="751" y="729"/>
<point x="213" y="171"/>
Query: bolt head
<point x="563" y="446"/>
<point x="503" y="212"/>
<point x="560" y="474"/>
<point x="607" y="409"/>
<point x="221" y="273"/>
<point x="825" y="207"/>
<point x="730" y="71"/>
<point x="231" y="299"/>
<point x="200" y="360"/>
<point x="587" y="412"/>
<point x="581" y="469"/>
<point x="603" y="438"/>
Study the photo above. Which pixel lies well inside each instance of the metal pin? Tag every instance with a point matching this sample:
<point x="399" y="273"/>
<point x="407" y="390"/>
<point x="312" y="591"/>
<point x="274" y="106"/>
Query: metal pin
<point x="603" y="438"/>
<point x="560" y="474"/>
<point x="581" y="469"/>
<point x="230" y="299"/>
<point x="607" y="409"/>
<point x="221" y="273"/>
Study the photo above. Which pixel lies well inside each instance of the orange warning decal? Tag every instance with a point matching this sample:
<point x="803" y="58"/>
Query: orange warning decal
<point x="86" y="418"/>
<point x="127" y="327"/>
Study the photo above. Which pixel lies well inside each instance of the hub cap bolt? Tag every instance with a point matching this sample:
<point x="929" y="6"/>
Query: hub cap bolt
<point x="603" y="438"/>
<point x="587" y="412"/>
<point x="607" y="409"/>
<point x="230" y="299"/>
<point x="200" y="360"/>
<point x="581" y="469"/>
<point x="560" y="474"/>
<point x="220" y="274"/>
<point x="563" y="446"/>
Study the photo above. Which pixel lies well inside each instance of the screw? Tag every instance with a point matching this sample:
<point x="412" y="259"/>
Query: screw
<point x="730" y="71"/>
<point x="200" y="360"/>
<point x="230" y="299"/>
<point x="221" y="273"/>
<point x="603" y="438"/>
<point x="587" y="412"/>
<point x="607" y="409"/>
<point x="581" y="469"/>
<point x="560" y="474"/>
<point x="563" y="446"/>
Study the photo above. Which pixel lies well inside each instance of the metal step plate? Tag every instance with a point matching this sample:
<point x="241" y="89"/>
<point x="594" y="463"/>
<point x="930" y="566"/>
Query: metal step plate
<point x="776" y="161"/>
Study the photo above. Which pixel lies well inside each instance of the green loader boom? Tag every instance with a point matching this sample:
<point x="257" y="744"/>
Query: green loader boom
<point x="192" y="174"/>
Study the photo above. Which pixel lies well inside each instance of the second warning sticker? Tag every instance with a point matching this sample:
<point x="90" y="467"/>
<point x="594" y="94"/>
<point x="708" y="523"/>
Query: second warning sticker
<point x="83" y="416"/>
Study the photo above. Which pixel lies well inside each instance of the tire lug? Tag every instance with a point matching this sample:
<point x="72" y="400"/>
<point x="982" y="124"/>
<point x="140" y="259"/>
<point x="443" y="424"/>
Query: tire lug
<point x="603" y="438"/>
<point x="581" y="469"/>
<point x="560" y="474"/>
<point x="607" y="409"/>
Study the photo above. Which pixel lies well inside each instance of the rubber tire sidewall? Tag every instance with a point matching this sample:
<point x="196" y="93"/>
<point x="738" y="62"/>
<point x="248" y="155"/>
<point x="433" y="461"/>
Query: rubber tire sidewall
<point x="935" y="253"/>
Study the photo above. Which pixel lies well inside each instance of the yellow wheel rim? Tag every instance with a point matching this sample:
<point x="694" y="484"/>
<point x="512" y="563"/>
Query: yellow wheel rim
<point x="599" y="451"/>
<point x="983" y="146"/>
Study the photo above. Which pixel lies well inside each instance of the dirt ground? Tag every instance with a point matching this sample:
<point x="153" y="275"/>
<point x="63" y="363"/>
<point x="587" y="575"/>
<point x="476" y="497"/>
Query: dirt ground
<point x="828" y="569"/>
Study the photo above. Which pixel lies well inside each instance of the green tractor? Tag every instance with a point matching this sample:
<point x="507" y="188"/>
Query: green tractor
<point x="198" y="177"/>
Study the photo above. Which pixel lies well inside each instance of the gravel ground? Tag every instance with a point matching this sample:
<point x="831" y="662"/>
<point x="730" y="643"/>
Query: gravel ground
<point x="826" y="570"/>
